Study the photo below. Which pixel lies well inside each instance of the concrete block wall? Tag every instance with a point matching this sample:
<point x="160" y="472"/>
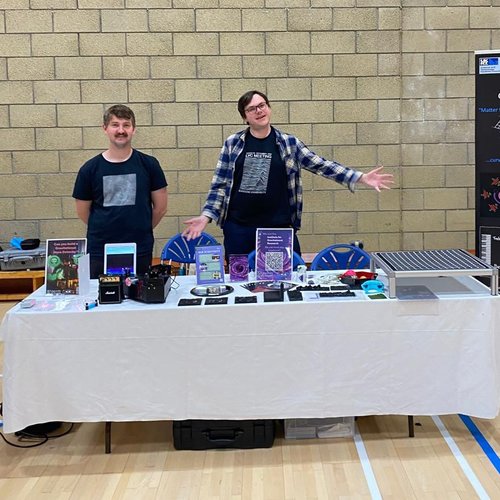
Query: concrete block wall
<point x="366" y="82"/>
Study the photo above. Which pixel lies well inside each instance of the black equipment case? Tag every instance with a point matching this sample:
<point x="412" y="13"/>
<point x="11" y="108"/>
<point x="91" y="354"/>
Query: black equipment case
<point x="209" y="434"/>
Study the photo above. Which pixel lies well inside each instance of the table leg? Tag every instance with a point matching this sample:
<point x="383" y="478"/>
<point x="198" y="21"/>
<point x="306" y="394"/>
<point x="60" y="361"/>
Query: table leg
<point x="107" y="437"/>
<point x="411" y="428"/>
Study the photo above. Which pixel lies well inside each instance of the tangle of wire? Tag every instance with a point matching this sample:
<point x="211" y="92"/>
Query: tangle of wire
<point x="24" y="436"/>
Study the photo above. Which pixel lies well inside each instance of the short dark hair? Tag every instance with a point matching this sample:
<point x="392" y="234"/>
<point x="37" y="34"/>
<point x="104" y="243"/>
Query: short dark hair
<point x="246" y="98"/>
<point x="120" y="111"/>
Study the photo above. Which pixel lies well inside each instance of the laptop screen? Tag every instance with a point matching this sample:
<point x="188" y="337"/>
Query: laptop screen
<point x="120" y="258"/>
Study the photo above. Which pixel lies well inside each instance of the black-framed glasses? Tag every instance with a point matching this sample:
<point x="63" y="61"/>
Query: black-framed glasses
<point x="253" y="109"/>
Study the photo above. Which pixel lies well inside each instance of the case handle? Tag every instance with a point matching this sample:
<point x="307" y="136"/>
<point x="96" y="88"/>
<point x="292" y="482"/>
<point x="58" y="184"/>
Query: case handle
<point x="222" y="435"/>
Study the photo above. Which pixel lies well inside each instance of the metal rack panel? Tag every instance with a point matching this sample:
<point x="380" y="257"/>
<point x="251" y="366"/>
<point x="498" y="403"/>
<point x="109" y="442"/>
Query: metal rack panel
<point x="432" y="264"/>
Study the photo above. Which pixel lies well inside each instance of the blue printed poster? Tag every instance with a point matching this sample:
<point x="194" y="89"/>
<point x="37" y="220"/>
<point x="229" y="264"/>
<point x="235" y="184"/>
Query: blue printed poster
<point x="209" y="265"/>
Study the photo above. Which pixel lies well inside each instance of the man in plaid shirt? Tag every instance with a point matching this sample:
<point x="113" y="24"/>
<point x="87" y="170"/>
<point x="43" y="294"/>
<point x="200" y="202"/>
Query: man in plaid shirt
<point x="257" y="181"/>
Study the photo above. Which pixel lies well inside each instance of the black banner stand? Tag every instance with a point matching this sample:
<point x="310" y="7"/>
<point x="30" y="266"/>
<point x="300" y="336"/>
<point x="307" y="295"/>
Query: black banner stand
<point x="487" y="64"/>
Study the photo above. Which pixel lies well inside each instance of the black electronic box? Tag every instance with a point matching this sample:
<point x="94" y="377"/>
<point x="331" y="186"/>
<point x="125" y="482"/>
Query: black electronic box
<point x="152" y="287"/>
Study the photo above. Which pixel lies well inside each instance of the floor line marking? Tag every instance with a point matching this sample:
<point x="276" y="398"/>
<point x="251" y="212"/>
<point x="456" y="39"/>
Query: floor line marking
<point x="469" y="473"/>
<point x="482" y="441"/>
<point x="367" y="468"/>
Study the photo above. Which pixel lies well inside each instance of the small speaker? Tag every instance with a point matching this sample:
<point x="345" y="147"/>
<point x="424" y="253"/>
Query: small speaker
<point x="110" y="289"/>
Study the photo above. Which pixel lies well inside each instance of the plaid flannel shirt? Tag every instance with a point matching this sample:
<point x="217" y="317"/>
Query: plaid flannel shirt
<point x="295" y="155"/>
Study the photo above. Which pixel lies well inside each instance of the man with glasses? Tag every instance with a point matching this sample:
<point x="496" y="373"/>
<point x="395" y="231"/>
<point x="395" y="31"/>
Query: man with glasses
<point x="257" y="181"/>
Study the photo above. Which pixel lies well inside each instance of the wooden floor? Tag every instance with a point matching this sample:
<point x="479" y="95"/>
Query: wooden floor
<point x="382" y="462"/>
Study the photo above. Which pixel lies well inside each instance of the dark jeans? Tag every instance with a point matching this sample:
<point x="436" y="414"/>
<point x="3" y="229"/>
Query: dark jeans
<point x="97" y="265"/>
<point x="241" y="239"/>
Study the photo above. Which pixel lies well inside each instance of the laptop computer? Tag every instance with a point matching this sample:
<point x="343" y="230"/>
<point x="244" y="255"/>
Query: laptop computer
<point x="120" y="258"/>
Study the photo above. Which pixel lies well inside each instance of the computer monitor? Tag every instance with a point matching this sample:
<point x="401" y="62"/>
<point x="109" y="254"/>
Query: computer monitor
<point x="120" y="258"/>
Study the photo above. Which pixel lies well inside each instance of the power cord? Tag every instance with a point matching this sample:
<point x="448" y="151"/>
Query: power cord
<point x="26" y="436"/>
<point x="174" y="282"/>
<point x="10" y="443"/>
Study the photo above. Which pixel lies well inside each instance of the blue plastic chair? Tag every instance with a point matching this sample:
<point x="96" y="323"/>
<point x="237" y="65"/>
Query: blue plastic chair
<point x="180" y="250"/>
<point x="341" y="256"/>
<point x="297" y="261"/>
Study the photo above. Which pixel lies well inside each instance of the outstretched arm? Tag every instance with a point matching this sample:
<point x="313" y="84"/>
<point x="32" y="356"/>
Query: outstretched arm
<point x="195" y="227"/>
<point x="377" y="180"/>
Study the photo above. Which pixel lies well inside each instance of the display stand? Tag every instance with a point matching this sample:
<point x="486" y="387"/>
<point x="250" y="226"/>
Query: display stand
<point x="432" y="264"/>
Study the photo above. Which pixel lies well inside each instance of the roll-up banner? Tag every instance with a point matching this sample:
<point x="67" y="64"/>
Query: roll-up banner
<point x="487" y="148"/>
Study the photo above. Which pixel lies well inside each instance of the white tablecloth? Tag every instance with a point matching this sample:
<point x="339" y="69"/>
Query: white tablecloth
<point x="318" y="358"/>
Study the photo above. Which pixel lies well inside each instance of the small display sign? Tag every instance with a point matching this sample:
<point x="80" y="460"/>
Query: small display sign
<point x="238" y="267"/>
<point x="209" y="265"/>
<point x="274" y="254"/>
<point x="61" y="265"/>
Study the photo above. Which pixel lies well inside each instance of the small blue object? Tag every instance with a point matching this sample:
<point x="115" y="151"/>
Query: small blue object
<point x="90" y="305"/>
<point x="372" y="286"/>
<point x="16" y="242"/>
